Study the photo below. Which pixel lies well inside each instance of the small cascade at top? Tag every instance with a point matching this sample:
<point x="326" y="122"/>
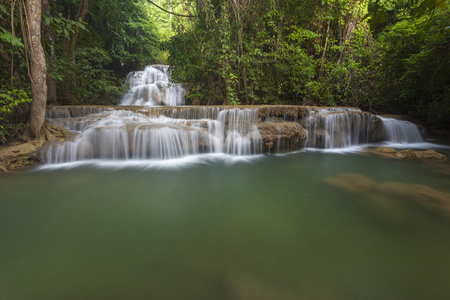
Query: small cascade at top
<point x="152" y="87"/>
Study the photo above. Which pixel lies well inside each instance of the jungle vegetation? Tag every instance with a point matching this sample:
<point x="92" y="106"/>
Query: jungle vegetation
<point x="379" y="55"/>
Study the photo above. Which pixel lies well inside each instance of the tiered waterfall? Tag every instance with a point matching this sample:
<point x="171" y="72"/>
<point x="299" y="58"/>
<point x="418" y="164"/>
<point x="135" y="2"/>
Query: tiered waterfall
<point x="151" y="130"/>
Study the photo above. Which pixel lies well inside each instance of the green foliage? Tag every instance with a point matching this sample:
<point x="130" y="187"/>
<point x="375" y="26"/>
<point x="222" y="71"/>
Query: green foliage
<point x="231" y="60"/>
<point x="11" y="39"/>
<point x="11" y="100"/>
<point x="61" y="25"/>
<point x="415" y="65"/>
<point x="89" y="81"/>
<point x="127" y="34"/>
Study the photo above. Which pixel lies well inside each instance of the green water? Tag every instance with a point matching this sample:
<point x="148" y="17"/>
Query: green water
<point x="278" y="227"/>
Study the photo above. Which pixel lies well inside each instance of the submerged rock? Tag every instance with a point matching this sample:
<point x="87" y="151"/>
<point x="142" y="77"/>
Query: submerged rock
<point x="422" y="195"/>
<point x="355" y="183"/>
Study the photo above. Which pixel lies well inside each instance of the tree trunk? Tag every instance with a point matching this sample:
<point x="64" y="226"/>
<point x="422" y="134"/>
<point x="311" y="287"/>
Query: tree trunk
<point x="37" y="67"/>
<point x="82" y="12"/>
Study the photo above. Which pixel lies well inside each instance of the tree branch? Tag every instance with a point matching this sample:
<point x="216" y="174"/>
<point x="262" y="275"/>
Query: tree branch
<point x="172" y="13"/>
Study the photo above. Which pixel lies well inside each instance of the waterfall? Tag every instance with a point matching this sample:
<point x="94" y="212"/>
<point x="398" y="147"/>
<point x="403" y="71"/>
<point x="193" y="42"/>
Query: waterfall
<point x="124" y="134"/>
<point x="334" y="127"/>
<point x="152" y="87"/>
<point x="398" y="131"/>
<point x="160" y="133"/>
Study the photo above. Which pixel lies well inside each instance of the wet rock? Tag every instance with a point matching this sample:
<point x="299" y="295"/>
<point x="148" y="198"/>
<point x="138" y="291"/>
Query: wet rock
<point x="428" y="154"/>
<point x="26" y="154"/>
<point x="386" y="150"/>
<point x="18" y="156"/>
<point x="282" y="136"/>
<point x="285" y="112"/>
<point x="410" y="154"/>
<point x="404" y="154"/>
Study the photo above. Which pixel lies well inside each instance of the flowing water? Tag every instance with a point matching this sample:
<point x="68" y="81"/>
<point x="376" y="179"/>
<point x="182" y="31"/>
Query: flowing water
<point x="306" y="225"/>
<point x="152" y="87"/>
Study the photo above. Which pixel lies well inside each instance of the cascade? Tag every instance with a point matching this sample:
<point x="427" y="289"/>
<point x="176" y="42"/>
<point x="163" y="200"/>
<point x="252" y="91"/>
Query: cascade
<point x="152" y="87"/>
<point x="398" y="131"/>
<point x="337" y="127"/>
<point x="124" y="134"/>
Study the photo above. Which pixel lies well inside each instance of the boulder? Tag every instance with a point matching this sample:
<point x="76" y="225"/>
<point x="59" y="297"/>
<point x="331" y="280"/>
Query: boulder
<point x="386" y="150"/>
<point x="18" y="156"/>
<point x="410" y="154"/>
<point x="285" y="136"/>
<point x="428" y="154"/>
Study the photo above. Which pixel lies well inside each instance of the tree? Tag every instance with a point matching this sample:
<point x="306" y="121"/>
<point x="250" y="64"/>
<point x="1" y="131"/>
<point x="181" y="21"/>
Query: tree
<point x="38" y="68"/>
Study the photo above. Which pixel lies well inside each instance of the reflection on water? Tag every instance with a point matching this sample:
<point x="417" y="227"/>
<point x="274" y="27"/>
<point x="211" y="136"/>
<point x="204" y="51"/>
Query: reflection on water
<point x="307" y="225"/>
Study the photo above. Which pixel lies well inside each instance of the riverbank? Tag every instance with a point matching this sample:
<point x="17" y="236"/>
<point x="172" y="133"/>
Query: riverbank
<point x="26" y="154"/>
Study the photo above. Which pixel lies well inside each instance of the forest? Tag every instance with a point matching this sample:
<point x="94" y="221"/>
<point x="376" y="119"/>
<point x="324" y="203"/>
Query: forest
<point x="379" y="55"/>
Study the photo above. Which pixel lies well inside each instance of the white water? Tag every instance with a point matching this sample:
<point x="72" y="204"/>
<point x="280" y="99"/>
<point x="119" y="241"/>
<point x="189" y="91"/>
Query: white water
<point x="403" y="132"/>
<point x="152" y="87"/>
<point x="127" y="135"/>
<point x="336" y="128"/>
<point x="339" y="128"/>
<point x="174" y="133"/>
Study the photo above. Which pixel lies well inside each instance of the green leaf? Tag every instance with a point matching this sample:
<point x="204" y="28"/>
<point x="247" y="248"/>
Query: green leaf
<point x="366" y="16"/>
<point x="8" y="37"/>
<point x="442" y="4"/>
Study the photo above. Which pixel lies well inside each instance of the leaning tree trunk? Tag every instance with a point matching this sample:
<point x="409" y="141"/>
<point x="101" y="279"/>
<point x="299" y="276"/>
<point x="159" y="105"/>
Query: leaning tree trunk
<point x="37" y="67"/>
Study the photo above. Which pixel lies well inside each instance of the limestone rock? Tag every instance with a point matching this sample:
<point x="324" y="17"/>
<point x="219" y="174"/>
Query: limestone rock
<point x="387" y="150"/>
<point x="428" y="154"/>
<point x="410" y="154"/>
<point x="286" y="136"/>
<point x="18" y="156"/>
<point x="26" y="154"/>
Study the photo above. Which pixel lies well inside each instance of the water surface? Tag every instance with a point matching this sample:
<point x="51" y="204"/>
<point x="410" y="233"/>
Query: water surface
<point x="308" y="225"/>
